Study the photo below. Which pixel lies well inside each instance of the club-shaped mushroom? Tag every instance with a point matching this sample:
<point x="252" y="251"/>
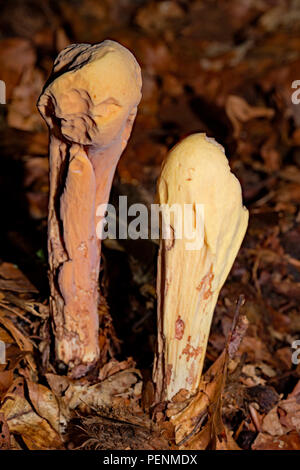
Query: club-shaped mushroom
<point x="89" y="104"/>
<point x="193" y="266"/>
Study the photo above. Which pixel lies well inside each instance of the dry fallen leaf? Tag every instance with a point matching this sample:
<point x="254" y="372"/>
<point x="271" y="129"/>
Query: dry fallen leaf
<point x="281" y="426"/>
<point x="22" y="341"/>
<point x="4" y="434"/>
<point x="22" y="420"/>
<point x="44" y="403"/>
<point x="239" y="111"/>
<point x="271" y="423"/>
<point x="289" y="441"/>
<point x="114" y="366"/>
<point x="74" y="393"/>
<point x="11" y="278"/>
<point x="6" y="379"/>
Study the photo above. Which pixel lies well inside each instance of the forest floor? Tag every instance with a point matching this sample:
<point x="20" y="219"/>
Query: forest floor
<point x="224" y="68"/>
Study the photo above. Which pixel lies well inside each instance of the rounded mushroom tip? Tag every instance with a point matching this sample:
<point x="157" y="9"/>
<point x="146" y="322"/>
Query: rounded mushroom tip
<point x="213" y="141"/>
<point x="92" y="91"/>
<point x="199" y="140"/>
<point x="198" y="150"/>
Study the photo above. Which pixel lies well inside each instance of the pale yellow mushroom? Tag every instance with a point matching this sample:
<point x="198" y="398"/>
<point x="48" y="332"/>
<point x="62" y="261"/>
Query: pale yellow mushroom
<point x="196" y="171"/>
<point x="89" y="103"/>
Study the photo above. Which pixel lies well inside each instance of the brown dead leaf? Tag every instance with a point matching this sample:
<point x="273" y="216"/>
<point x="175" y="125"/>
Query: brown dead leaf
<point x="114" y="366"/>
<point x="239" y="111"/>
<point x="271" y="424"/>
<point x="4" y="434"/>
<point x="5" y="336"/>
<point x="226" y="442"/>
<point x="289" y="411"/>
<point x="201" y="440"/>
<point x="6" y="379"/>
<point x="13" y="357"/>
<point x="289" y="441"/>
<point x="22" y="341"/>
<point x="257" y="351"/>
<point x="35" y="431"/>
<point x="44" y="403"/>
<point x="35" y="308"/>
<point x="11" y="278"/>
<point x="281" y="425"/>
<point x="204" y="414"/>
<point x="73" y="394"/>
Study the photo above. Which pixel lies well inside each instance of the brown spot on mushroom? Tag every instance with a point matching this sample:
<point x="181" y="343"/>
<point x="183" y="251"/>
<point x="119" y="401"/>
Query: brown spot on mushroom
<point x="205" y="284"/>
<point x="190" y="351"/>
<point x="190" y="170"/>
<point x="179" y="328"/>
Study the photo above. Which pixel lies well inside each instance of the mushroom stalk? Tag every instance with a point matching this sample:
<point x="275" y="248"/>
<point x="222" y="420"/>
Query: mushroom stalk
<point x="193" y="267"/>
<point x="89" y="104"/>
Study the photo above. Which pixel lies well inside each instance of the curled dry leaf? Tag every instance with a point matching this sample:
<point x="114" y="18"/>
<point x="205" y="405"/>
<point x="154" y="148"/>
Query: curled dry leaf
<point x="74" y="394"/>
<point x="6" y="379"/>
<point x="45" y="403"/>
<point x="31" y="306"/>
<point x="204" y="408"/>
<point x="281" y="425"/>
<point x="5" y="336"/>
<point x="271" y="423"/>
<point x="114" y="366"/>
<point x="11" y="278"/>
<point x="22" y="341"/>
<point x="239" y="111"/>
<point x="22" y="420"/>
<point x="289" y="441"/>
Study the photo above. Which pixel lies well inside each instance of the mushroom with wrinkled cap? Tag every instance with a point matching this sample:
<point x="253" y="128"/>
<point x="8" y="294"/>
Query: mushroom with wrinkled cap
<point x="196" y="171"/>
<point x="89" y="104"/>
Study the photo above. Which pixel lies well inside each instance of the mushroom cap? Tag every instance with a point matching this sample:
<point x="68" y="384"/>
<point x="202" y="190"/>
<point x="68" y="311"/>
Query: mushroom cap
<point x="92" y="93"/>
<point x="196" y="171"/>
